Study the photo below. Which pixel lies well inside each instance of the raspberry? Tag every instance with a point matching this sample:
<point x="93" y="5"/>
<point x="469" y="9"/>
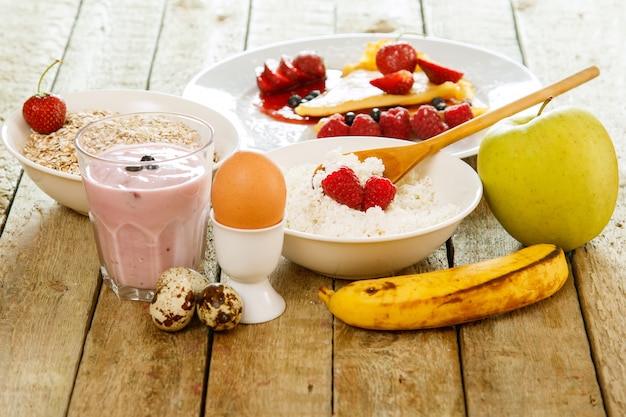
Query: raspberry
<point x="334" y="126"/>
<point x="457" y="114"/>
<point x="344" y="187"/>
<point x="364" y="125"/>
<point x="426" y="122"/>
<point x="378" y="191"/>
<point x="395" y="123"/>
<point x="396" y="56"/>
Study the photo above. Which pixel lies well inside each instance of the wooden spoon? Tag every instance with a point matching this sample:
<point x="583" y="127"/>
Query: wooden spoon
<point x="399" y="160"/>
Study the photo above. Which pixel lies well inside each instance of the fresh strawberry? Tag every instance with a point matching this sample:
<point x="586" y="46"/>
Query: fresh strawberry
<point x="334" y="126"/>
<point x="286" y="68"/>
<point x="396" y="56"/>
<point x="287" y="73"/>
<point x="427" y="123"/>
<point x="456" y="114"/>
<point x="399" y="82"/>
<point x="378" y="191"/>
<point x="344" y="187"/>
<point x="395" y="123"/>
<point x="45" y="112"/>
<point x="364" y="125"/>
<point x="437" y="73"/>
<point x="270" y="80"/>
<point x="311" y="64"/>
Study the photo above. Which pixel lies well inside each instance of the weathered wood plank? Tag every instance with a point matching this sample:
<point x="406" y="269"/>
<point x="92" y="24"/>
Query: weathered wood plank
<point x="129" y="367"/>
<point x="279" y="20"/>
<point x="514" y="364"/>
<point x="416" y="373"/>
<point x="281" y="367"/>
<point x="47" y="292"/>
<point x="399" y="16"/>
<point x="594" y="34"/>
<point x="112" y="45"/>
<point x="194" y="36"/>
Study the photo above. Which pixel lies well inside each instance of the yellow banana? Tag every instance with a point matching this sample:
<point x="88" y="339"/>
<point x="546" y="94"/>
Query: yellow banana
<point x="451" y="296"/>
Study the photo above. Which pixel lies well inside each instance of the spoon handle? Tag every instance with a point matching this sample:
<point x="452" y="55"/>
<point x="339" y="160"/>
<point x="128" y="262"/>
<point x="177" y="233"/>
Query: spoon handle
<point x="487" y="119"/>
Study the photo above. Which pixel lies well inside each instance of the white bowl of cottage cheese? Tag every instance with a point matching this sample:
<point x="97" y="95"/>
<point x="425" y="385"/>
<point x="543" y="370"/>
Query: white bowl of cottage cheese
<point x="334" y="240"/>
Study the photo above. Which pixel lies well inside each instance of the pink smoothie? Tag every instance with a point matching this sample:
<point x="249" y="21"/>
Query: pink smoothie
<point x="147" y="220"/>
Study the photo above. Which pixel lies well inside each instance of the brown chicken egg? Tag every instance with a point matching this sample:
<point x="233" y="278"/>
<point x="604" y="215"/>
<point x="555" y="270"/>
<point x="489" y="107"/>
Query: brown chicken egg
<point x="248" y="192"/>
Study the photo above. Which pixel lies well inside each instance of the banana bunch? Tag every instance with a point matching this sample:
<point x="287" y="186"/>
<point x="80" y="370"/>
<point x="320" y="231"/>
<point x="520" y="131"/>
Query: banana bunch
<point x="451" y="296"/>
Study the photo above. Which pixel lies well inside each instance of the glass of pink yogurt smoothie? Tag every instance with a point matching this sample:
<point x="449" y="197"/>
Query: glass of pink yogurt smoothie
<point x="147" y="177"/>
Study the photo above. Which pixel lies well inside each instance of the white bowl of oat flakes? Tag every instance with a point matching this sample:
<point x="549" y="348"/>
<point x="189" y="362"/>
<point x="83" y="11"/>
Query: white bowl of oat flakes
<point x="337" y="241"/>
<point x="50" y="161"/>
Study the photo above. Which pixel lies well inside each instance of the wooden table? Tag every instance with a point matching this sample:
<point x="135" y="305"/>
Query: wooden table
<point x="69" y="347"/>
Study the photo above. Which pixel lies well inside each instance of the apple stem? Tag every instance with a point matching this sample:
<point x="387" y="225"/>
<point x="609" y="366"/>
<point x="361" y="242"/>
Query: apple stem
<point x="543" y="106"/>
<point x="56" y="61"/>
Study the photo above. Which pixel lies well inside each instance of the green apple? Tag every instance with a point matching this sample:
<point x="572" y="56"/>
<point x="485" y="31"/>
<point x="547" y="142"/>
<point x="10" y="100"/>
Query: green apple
<point x="550" y="177"/>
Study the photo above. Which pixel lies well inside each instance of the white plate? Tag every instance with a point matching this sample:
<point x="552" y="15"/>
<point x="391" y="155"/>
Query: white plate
<point x="230" y="85"/>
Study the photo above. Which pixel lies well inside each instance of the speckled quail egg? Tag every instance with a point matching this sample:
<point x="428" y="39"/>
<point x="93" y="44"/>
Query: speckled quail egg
<point x="219" y="307"/>
<point x="197" y="280"/>
<point x="173" y="305"/>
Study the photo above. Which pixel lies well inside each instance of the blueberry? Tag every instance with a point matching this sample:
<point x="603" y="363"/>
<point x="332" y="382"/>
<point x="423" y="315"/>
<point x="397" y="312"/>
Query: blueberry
<point x="375" y="114"/>
<point x="312" y="94"/>
<point x="438" y="103"/>
<point x="349" y="118"/>
<point x="294" y="101"/>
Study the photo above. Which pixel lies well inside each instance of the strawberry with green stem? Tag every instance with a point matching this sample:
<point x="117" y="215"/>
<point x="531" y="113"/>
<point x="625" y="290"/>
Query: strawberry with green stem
<point x="45" y="112"/>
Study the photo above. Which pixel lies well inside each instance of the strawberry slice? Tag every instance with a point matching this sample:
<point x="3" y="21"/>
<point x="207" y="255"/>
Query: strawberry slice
<point x="286" y="68"/>
<point x="289" y="73"/>
<point x="270" y="80"/>
<point x="437" y="73"/>
<point x="399" y="82"/>
<point x="311" y="64"/>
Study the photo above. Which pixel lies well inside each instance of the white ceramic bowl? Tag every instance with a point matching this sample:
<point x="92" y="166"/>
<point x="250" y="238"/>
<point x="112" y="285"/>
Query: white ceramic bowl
<point x="67" y="189"/>
<point x="357" y="258"/>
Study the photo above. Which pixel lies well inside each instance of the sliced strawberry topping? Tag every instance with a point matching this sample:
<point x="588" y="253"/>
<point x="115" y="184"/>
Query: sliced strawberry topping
<point x="399" y="82"/>
<point x="437" y="73"/>
<point x="311" y="64"/>
<point x="287" y="73"/>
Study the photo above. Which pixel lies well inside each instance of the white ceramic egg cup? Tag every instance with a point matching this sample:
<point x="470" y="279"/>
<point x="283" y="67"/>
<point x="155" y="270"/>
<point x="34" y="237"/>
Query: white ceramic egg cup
<point x="248" y="257"/>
